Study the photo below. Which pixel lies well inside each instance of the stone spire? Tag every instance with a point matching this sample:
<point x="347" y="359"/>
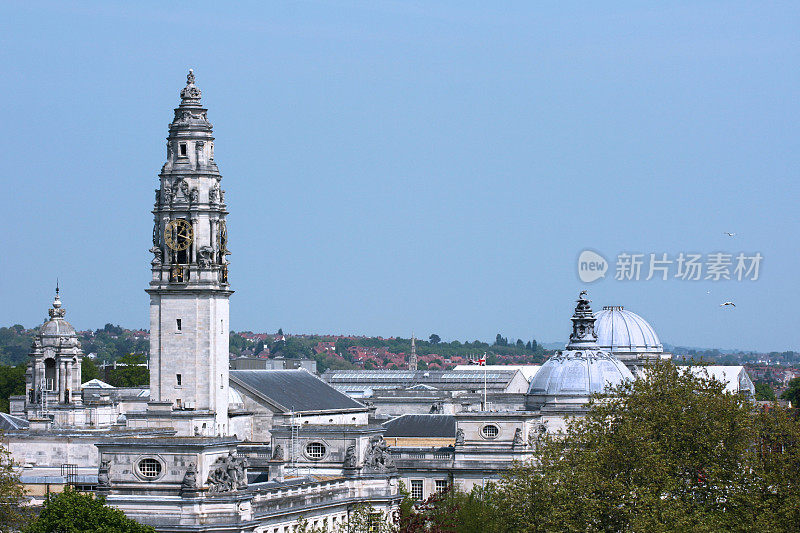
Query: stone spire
<point x="583" y="335"/>
<point x="412" y="359"/>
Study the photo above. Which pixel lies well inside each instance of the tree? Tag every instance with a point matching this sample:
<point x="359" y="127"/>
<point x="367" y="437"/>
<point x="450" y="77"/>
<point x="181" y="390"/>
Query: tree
<point x="89" y="370"/>
<point x="72" y="511"/>
<point x="452" y="510"/>
<point x="672" y="452"/>
<point x="764" y="391"/>
<point x="12" y="496"/>
<point x="435" y="339"/>
<point x="130" y="372"/>
<point x="280" y="331"/>
<point x="792" y="392"/>
<point x="12" y="382"/>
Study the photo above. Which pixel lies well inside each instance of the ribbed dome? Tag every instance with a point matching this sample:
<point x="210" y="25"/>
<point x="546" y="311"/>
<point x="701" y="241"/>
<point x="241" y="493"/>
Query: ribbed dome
<point x="567" y="380"/>
<point x="57" y="327"/>
<point x="621" y="331"/>
<point x="579" y="373"/>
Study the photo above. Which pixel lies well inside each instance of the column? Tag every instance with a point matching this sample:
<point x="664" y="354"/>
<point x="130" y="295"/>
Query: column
<point x="213" y="237"/>
<point x="167" y="250"/>
<point x="68" y="381"/>
<point x="193" y="247"/>
<point x="62" y="382"/>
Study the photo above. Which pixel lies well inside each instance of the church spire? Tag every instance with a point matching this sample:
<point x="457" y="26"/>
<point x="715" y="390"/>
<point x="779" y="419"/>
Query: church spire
<point x="583" y="335"/>
<point x="412" y="359"/>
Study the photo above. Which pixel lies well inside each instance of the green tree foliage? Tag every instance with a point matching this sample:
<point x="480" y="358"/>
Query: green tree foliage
<point x="130" y="372"/>
<point x="89" y="370"/>
<point x="673" y="452"/>
<point x="434" y="339"/>
<point x="73" y="512"/>
<point x="12" y="382"/>
<point x="12" y="496"/>
<point x="15" y="344"/>
<point x="764" y="391"/>
<point x="113" y="343"/>
<point x="792" y="392"/>
<point x="452" y="511"/>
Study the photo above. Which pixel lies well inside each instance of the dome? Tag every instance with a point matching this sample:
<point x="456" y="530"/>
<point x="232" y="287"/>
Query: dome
<point x="621" y="331"/>
<point x="234" y="398"/>
<point x="57" y="327"/>
<point x="579" y="373"/>
<point x="567" y="380"/>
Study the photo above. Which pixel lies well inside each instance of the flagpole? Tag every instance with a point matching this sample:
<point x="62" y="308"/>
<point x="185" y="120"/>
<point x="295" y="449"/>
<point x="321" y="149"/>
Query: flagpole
<point x="485" y="405"/>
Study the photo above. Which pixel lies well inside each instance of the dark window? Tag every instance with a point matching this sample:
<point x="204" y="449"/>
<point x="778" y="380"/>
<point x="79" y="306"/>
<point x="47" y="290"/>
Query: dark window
<point x="416" y="489"/>
<point x="315" y="450"/>
<point x="183" y="149"/>
<point x="178" y="377"/>
<point x="490" y="431"/>
<point x="178" y="323"/>
<point x="149" y="468"/>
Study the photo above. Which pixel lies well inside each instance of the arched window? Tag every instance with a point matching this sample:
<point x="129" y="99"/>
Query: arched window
<point x="49" y="374"/>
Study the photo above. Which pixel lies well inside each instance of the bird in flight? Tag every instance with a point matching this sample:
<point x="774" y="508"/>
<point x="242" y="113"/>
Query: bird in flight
<point x="727" y="304"/>
<point x="729" y="234"/>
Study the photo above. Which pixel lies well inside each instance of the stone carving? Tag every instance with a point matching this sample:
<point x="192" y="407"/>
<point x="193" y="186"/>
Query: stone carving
<point x="459" y="436"/>
<point x="158" y="196"/>
<point x="181" y="189"/>
<point x="221" y="196"/>
<point x="166" y="195"/>
<point x="102" y="474"/>
<point x="169" y="151"/>
<point x="227" y="474"/>
<point x="517" y="438"/>
<point x="158" y="255"/>
<point x="437" y="408"/>
<point x="538" y="434"/>
<point x="194" y="195"/>
<point x="213" y="194"/>
<point x="350" y="460"/>
<point x="206" y="256"/>
<point x="377" y="457"/>
<point x="190" y="92"/>
<point x="277" y="453"/>
<point x="190" y="478"/>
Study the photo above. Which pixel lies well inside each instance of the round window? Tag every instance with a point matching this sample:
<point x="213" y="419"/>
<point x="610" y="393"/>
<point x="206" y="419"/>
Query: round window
<point x="490" y="431"/>
<point x="315" y="450"/>
<point x="149" y="468"/>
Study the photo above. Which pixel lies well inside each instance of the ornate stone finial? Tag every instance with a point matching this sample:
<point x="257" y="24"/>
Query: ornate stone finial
<point x="103" y="480"/>
<point x="583" y="335"/>
<point x="190" y="477"/>
<point x="190" y="94"/>
<point x="57" y="311"/>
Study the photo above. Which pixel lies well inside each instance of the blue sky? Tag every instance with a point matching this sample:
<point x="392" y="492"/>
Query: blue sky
<point x="412" y="166"/>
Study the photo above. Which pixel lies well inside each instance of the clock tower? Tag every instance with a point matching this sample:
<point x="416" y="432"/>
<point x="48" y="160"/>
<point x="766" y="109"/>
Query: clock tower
<point x="189" y="290"/>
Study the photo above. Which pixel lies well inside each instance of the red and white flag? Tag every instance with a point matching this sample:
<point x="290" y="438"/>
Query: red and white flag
<point x="482" y="361"/>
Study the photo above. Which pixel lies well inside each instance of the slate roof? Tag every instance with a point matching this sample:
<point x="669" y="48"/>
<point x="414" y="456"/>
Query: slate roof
<point x="293" y="390"/>
<point x="421" y="426"/>
<point x="10" y="423"/>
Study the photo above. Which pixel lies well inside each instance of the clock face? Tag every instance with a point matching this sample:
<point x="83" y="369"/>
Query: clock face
<point x="178" y="234"/>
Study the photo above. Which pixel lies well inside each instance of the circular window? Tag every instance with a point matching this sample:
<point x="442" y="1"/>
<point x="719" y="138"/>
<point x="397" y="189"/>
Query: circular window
<point x="149" y="468"/>
<point x="315" y="450"/>
<point x="490" y="431"/>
